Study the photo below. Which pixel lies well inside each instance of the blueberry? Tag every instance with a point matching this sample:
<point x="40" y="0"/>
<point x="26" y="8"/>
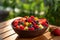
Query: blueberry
<point x="30" y="25"/>
<point x="20" y="23"/>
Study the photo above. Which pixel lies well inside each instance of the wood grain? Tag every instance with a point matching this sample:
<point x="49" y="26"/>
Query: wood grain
<point x="13" y="37"/>
<point x="7" y="28"/>
<point x="4" y="35"/>
<point x="7" y="33"/>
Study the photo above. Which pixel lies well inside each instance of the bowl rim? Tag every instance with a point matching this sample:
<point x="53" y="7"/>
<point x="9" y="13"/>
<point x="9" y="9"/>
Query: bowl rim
<point x="27" y="30"/>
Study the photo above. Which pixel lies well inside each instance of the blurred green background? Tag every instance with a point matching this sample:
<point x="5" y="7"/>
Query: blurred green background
<point x="49" y="9"/>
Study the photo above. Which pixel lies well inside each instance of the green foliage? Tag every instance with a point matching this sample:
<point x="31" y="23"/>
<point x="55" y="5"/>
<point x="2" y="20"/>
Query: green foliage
<point x="53" y="13"/>
<point x="29" y="7"/>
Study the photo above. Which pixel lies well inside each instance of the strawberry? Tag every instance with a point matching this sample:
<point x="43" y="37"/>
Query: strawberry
<point x="31" y="28"/>
<point x="17" y="27"/>
<point x="42" y="20"/>
<point x="21" y="27"/>
<point x="32" y="17"/>
<point x="15" y="23"/>
<point x="56" y="32"/>
<point x="45" y="24"/>
<point x="29" y="20"/>
<point x="36" y="26"/>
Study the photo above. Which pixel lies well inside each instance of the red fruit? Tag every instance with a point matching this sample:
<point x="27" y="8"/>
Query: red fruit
<point x="36" y="26"/>
<point x="34" y="23"/>
<point x="32" y="17"/>
<point x="17" y="27"/>
<point x="45" y="24"/>
<point x="42" y="20"/>
<point x="31" y="29"/>
<point x="15" y="23"/>
<point x="56" y="32"/>
<point x="29" y="20"/>
<point x="21" y="27"/>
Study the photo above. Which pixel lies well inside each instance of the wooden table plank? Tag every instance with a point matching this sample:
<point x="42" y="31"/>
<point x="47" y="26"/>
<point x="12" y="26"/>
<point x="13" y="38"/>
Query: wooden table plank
<point x="6" y="26"/>
<point x="56" y="38"/>
<point x="8" y="22"/>
<point x="13" y="37"/>
<point x="48" y="35"/>
<point x="3" y="30"/>
<point x="4" y="35"/>
<point x="3" y="25"/>
<point x="42" y="37"/>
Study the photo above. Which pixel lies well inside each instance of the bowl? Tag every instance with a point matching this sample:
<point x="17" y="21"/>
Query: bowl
<point x="28" y="33"/>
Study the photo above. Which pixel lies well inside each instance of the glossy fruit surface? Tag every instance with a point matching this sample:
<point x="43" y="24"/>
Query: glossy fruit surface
<point x="30" y="23"/>
<point x="56" y="32"/>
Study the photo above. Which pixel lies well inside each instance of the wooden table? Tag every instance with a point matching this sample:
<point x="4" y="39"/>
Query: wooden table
<point x="7" y="33"/>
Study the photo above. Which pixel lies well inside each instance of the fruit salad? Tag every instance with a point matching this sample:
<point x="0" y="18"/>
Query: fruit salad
<point x="30" y="23"/>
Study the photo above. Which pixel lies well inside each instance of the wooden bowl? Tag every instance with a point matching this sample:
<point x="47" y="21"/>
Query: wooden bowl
<point x="29" y="34"/>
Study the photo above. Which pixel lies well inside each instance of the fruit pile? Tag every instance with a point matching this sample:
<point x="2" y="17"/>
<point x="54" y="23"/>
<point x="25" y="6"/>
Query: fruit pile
<point x="30" y="23"/>
<point x="55" y="31"/>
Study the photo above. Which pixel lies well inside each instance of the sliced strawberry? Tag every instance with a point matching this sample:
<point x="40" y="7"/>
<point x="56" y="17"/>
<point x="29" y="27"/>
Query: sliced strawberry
<point x="21" y="27"/>
<point x="36" y="26"/>
<point x="45" y="24"/>
<point x="42" y="20"/>
<point x="29" y="20"/>
<point x="32" y="17"/>
<point x="17" y="27"/>
<point x="15" y="23"/>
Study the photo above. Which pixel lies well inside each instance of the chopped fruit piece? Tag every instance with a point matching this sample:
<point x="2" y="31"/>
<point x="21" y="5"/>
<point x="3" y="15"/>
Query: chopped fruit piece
<point x="32" y="17"/>
<point x="17" y="27"/>
<point x="36" y="26"/>
<point x="30" y="23"/>
<point x="42" y="21"/>
<point x="26" y="28"/>
<point x="21" y="27"/>
<point x="29" y="20"/>
<point x="34" y="23"/>
<point x="31" y="29"/>
<point x="26" y="23"/>
<point x="45" y="24"/>
<point x="40" y="26"/>
<point x="35" y="18"/>
<point x="15" y="23"/>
